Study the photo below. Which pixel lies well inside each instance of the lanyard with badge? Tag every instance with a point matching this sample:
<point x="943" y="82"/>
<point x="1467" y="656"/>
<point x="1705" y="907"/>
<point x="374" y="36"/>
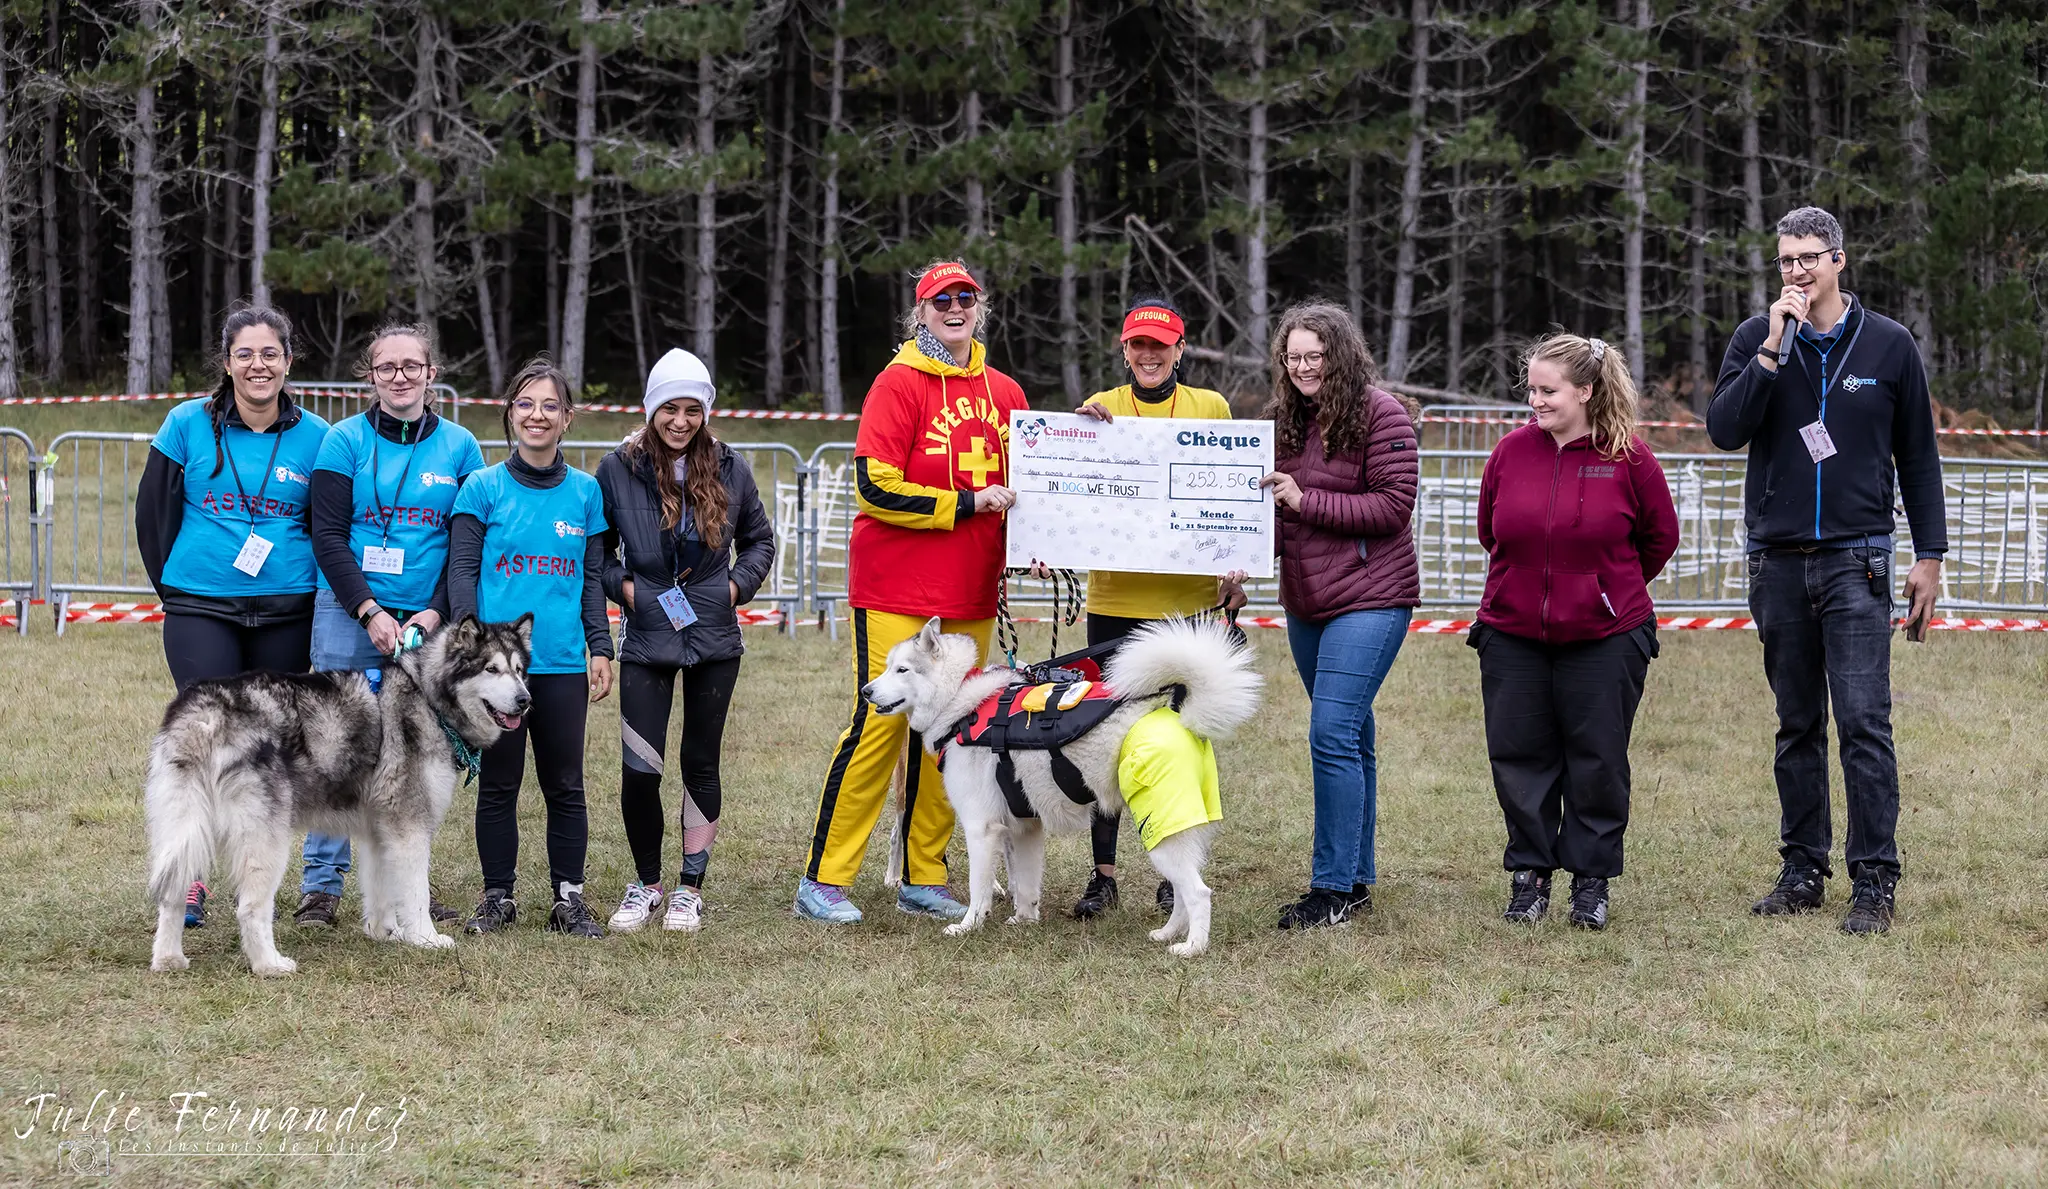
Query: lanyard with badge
<point x="256" y="548"/>
<point x="1818" y="443"/>
<point x="674" y="603"/>
<point x="381" y="558"/>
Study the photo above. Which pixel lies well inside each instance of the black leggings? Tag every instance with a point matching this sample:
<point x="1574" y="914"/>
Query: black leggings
<point x="555" y="723"/>
<point x="202" y="648"/>
<point x="1102" y="831"/>
<point x="646" y="693"/>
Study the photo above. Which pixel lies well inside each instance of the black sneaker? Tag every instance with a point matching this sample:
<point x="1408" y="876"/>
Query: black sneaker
<point x="1361" y="898"/>
<point x="1800" y="889"/>
<point x="1319" y="908"/>
<point x="441" y="912"/>
<point x="494" y="912"/>
<point x="1164" y="898"/>
<point x="317" y="910"/>
<point x="1589" y="902"/>
<point x="572" y="915"/>
<point x="1872" y="902"/>
<point x="1528" y="897"/>
<point x="1098" y="899"/>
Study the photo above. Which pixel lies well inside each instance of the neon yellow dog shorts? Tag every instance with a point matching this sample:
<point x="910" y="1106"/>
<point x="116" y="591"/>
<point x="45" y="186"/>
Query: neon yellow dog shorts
<point x="1168" y="776"/>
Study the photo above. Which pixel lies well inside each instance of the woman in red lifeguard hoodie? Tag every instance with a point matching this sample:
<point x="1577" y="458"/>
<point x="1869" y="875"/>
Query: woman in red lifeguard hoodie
<point x="1575" y="513"/>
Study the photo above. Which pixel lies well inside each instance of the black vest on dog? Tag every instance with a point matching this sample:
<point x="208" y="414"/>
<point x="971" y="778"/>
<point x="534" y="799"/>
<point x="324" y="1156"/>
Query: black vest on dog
<point x="1046" y="717"/>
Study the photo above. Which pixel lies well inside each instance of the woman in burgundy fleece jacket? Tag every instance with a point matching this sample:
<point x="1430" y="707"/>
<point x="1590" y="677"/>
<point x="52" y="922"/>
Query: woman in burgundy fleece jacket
<point x="1348" y="577"/>
<point x="1574" y="510"/>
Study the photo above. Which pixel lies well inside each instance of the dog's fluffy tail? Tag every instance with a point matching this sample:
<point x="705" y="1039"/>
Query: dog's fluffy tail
<point x="1223" y="690"/>
<point x="178" y="814"/>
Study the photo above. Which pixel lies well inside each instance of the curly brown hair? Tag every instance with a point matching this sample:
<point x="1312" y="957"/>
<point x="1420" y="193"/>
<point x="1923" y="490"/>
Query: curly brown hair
<point x="1349" y="376"/>
<point x="703" y="486"/>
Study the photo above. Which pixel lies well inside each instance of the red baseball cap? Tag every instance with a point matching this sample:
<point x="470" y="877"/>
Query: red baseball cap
<point x="939" y="276"/>
<point x="1154" y="322"/>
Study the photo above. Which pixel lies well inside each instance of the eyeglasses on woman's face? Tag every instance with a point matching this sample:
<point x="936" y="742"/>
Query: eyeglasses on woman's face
<point x="945" y="301"/>
<point x="526" y="407"/>
<point x="1303" y="360"/>
<point x="246" y="356"/>
<point x="388" y="372"/>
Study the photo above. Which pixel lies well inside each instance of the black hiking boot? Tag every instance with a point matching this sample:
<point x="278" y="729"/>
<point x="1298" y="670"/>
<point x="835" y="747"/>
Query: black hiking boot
<point x="572" y="916"/>
<point x="1872" y="901"/>
<point x="1800" y="888"/>
<point x="1164" y="898"/>
<point x="1099" y="898"/>
<point x="317" y="910"/>
<point x="441" y="912"/>
<point x="1319" y="908"/>
<point x="1589" y="902"/>
<point x="1528" y="897"/>
<point x="494" y="912"/>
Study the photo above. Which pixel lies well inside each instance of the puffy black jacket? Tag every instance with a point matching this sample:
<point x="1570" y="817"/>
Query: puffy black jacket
<point x="1877" y="411"/>
<point x="638" y="547"/>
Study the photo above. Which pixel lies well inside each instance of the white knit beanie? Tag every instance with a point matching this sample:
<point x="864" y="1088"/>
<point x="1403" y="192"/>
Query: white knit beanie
<point x="675" y="376"/>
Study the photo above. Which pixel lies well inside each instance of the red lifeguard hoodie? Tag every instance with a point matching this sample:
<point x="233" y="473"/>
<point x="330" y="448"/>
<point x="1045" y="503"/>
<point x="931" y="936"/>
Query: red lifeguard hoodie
<point x="1575" y="538"/>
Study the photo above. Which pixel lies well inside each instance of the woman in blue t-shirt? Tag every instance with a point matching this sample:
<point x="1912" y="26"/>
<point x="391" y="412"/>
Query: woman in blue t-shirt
<point x="383" y="488"/>
<point x="221" y="520"/>
<point x="526" y="538"/>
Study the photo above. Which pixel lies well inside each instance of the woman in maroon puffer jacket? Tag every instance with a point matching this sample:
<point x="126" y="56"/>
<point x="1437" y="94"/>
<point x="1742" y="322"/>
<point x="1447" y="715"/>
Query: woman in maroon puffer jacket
<point x="1574" y="510"/>
<point x="1343" y="493"/>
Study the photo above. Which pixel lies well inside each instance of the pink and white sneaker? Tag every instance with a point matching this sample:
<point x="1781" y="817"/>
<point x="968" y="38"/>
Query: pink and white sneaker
<point x="685" y="911"/>
<point x="636" y="907"/>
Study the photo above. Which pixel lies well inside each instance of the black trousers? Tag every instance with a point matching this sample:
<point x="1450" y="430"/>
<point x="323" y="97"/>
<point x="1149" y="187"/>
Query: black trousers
<point x="646" y="694"/>
<point x="1558" y="720"/>
<point x="202" y="648"/>
<point x="1103" y="830"/>
<point x="555" y="724"/>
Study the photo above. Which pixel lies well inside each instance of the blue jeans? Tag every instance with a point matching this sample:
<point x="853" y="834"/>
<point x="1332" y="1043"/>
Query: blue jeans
<point x="1827" y="638"/>
<point x="339" y="645"/>
<point x="1342" y="662"/>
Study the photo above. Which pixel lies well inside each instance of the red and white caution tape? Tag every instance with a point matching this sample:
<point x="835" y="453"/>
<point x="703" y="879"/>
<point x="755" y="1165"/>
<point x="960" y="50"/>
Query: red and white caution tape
<point x="106" y="398"/>
<point x="153" y="613"/>
<point x="1519" y="421"/>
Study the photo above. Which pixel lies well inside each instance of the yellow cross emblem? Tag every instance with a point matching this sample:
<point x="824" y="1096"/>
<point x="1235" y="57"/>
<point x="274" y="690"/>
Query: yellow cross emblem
<point x="979" y="462"/>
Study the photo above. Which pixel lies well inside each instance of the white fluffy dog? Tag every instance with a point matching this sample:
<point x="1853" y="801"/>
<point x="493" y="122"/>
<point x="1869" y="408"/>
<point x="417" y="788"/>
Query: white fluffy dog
<point x="934" y="678"/>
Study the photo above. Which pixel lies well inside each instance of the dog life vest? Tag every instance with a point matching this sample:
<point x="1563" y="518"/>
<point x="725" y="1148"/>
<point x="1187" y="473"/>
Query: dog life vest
<point x="1044" y="717"/>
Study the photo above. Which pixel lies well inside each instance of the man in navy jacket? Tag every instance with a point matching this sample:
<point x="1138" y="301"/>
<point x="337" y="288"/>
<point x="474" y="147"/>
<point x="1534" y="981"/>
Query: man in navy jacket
<point x="1831" y="400"/>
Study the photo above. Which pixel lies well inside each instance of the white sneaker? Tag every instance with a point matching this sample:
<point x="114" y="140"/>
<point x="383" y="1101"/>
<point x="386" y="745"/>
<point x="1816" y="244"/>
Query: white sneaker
<point x="685" y="911"/>
<point x="639" y="904"/>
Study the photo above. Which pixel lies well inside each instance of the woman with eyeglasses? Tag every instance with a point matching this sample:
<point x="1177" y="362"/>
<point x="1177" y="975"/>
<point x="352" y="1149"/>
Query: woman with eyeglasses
<point x="689" y="544"/>
<point x="1154" y="338"/>
<point x="541" y="524"/>
<point x="929" y="472"/>
<point x="221" y="520"/>
<point x="383" y="486"/>
<point x="1343" y="490"/>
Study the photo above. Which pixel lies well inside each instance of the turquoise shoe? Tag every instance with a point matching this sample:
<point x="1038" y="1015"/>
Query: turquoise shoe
<point x="929" y="900"/>
<point x="824" y="902"/>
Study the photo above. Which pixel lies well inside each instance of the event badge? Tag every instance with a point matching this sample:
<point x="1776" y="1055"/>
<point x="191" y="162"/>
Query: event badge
<point x="1818" y="443"/>
<point x="379" y="560"/>
<point x="254" y="551"/>
<point x="677" y="605"/>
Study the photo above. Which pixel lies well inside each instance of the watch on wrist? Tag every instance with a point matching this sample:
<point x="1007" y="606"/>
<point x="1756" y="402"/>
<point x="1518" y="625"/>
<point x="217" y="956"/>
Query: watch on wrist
<point x="365" y="618"/>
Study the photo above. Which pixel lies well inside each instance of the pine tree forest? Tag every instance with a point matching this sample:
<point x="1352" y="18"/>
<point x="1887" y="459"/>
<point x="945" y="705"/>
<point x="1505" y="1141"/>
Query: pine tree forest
<point x="757" y="180"/>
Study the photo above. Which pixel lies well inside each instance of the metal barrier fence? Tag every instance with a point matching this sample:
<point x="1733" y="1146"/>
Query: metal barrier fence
<point x="336" y="399"/>
<point x="20" y="520"/>
<point x="1473" y="427"/>
<point x="80" y="512"/>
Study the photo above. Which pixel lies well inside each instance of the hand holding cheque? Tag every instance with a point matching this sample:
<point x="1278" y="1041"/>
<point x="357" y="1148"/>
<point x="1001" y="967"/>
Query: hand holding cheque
<point x="1153" y="495"/>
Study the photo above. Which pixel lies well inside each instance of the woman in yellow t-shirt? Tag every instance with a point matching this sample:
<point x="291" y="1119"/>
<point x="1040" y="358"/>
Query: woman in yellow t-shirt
<point x="1153" y="339"/>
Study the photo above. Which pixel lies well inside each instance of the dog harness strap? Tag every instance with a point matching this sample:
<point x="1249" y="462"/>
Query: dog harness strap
<point x="1067" y="775"/>
<point x="1013" y="788"/>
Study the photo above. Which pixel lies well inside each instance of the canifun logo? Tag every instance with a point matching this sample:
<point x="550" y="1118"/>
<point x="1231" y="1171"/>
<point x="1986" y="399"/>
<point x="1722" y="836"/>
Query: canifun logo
<point x="1036" y="428"/>
<point x="1852" y="383"/>
<point x="564" y="529"/>
<point x="288" y="475"/>
<point x="430" y="479"/>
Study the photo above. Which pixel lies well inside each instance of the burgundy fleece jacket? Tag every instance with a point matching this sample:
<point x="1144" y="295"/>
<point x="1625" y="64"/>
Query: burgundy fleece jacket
<point x="1575" y="538"/>
<point x="1349" y="548"/>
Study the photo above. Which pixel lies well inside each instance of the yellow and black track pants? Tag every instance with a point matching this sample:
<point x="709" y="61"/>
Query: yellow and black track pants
<point x="857" y="784"/>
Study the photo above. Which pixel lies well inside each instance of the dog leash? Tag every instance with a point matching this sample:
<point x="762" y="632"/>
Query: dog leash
<point x="468" y="760"/>
<point x="1066" y="611"/>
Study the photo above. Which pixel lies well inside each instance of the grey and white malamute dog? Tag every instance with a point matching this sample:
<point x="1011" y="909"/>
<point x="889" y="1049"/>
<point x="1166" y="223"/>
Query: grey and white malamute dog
<point x="934" y="679"/>
<point x="243" y="765"/>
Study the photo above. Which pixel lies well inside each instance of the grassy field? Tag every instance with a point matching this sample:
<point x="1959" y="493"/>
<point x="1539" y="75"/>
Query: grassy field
<point x="1427" y="1043"/>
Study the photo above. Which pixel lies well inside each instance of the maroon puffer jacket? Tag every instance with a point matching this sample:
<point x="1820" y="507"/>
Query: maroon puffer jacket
<point x="1349" y="547"/>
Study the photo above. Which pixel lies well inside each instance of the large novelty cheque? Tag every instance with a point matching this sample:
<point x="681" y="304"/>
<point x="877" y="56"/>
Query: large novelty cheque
<point x="1140" y="494"/>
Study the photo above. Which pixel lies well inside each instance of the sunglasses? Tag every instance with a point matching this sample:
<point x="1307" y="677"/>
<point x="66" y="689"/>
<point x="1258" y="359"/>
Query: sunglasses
<point x="944" y="301"/>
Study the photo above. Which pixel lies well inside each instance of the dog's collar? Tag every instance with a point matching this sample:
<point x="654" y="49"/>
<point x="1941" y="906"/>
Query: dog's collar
<point x="467" y="758"/>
